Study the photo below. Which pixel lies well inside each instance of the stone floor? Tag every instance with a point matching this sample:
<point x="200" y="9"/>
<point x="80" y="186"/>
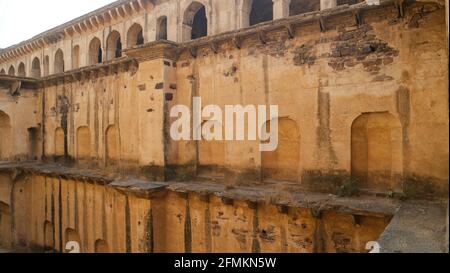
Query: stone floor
<point x="417" y="227"/>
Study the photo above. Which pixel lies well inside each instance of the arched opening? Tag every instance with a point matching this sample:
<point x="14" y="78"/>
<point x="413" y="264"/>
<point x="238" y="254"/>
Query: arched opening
<point x="21" y="70"/>
<point x="261" y="11"/>
<point x="11" y="71"/>
<point x="101" y="246"/>
<point x="303" y="6"/>
<point x="72" y="236"/>
<point x="161" y="28"/>
<point x="83" y="144"/>
<point x="376" y="152"/>
<point x="76" y="57"/>
<point x="59" y="142"/>
<point x="2" y="72"/>
<point x="5" y="226"/>
<point x="135" y="36"/>
<point x="46" y="65"/>
<point x="5" y="136"/>
<point x="49" y="237"/>
<point x="195" y="22"/>
<point x="113" y="46"/>
<point x="95" y="51"/>
<point x="112" y="146"/>
<point x="59" y="62"/>
<point x="211" y="153"/>
<point x="283" y="164"/>
<point x="36" y="68"/>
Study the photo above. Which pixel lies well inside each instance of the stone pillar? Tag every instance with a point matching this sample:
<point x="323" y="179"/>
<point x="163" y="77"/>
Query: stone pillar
<point x="244" y="15"/>
<point x="281" y="9"/>
<point x="186" y="33"/>
<point x="327" y="4"/>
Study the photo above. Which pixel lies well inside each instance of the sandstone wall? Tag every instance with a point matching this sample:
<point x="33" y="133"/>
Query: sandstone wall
<point x="20" y="121"/>
<point x="391" y="71"/>
<point x="45" y="212"/>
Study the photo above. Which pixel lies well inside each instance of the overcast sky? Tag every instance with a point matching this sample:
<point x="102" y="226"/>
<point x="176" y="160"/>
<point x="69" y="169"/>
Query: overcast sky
<point x="20" y="20"/>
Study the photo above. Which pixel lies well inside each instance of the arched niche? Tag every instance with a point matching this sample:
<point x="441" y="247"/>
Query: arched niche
<point x="283" y="164"/>
<point x="377" y="152"/>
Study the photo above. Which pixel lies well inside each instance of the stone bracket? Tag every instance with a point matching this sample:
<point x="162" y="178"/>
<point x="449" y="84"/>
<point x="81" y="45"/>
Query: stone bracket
<point x="262" y="37"/>
<point x="358" y="18"/>
<point x="290" y="30"/>
<point x="399" y="4"/>
<point x="14" y="90"/>
<point x="214" y="47"/>
<point x="193" y="51"/>
<point x="322" y="24"/>
<point x="237" y="42"/>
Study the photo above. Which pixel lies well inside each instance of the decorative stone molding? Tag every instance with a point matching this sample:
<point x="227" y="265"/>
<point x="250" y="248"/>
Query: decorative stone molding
<point x="118" y="11"/>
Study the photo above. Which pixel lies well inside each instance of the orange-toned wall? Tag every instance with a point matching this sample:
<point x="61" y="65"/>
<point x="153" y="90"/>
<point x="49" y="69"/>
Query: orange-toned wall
<point x="168" y="222"/>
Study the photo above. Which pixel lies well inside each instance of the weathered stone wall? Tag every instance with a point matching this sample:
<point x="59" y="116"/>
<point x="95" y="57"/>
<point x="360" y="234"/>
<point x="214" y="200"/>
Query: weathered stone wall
<point x="121" y="108"/>
<point x="366" y="101"/>
<point x="74" y="38"/>
<point x="324" y="81"/>
<point x="45" y="212"/>
<point x="20" y="128"/>
<point x="363" y="105"/>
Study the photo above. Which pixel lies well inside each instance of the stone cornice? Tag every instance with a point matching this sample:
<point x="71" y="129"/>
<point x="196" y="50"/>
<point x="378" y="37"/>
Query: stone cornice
<point x="14" y="84"/>
<point x="154" y="50"/>
<point x="288" y="24"/>
<point x="124" y="64"/>
<point x="171" y="50"/>
<point x="118" y="11"/>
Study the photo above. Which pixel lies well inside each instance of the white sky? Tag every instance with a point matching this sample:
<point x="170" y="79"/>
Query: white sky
<point x="20" y="20"/>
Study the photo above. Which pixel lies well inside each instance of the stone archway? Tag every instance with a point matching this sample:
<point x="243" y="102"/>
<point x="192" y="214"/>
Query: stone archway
<point x="59" y="62"/>
<point x="195" y="21"/>
<point x="95" y="51"/>
<point x="211" y="153"/>
<point x="112" y="146"/>
<point x="283" y="164"/>
<point x="72" y="235"/>
<point x="376" y="152"/>
<point x="135" y="36"/>
<point x="101" y="246"/>
<point x="21" y="72"/>
<point x="11" y="71"/>
<point x="161" y="28"/>
<point x="83" y="144"/>
<point x="113" y="46"/>
<point x="36" y="68"/>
